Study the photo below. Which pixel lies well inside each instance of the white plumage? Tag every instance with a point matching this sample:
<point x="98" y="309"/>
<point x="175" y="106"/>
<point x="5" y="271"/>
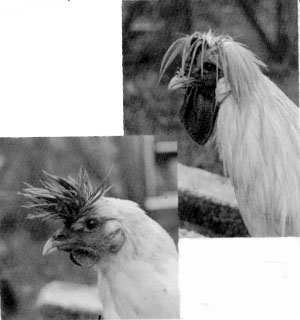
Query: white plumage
<point x="140" y="282"/>
<point x="135" y="259"/>
<point x="260" y="151"/>
<point x="256" y="127"/>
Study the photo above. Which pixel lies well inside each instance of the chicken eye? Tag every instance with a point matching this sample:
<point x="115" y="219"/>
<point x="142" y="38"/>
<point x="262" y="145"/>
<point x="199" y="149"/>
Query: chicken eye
<point x="208" y="66"/>
<point x="91" y="223"/>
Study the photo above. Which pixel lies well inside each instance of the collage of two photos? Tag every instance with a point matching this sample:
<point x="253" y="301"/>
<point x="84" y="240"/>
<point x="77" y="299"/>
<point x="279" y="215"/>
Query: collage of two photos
<point x="194" y="213"/>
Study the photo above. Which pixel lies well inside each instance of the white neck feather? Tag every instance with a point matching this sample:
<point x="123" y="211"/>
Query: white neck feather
<point x="259" y="144"/>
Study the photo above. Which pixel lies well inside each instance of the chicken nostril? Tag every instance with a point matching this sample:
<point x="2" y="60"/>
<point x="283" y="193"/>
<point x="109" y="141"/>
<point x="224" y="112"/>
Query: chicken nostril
<point x="60" y="236"/>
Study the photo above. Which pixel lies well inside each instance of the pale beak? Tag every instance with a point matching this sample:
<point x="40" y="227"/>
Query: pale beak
<point x="50" y="247"/>
<point x="61" y="240"/>
<point x="177" y="82"/>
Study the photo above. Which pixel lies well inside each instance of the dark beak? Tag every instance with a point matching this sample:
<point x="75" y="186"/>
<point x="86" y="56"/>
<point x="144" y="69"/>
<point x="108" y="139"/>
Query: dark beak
<point x="61" y="240"/>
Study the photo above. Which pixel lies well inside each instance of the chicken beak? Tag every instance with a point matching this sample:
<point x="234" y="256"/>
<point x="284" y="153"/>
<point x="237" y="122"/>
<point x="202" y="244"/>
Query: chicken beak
<point x="177" y="82"/>
<point x="49" y="247"/>
<point x="61" y="240"/>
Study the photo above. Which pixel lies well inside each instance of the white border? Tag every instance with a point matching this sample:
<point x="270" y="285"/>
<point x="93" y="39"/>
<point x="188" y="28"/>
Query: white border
<point x="61" y="68"/>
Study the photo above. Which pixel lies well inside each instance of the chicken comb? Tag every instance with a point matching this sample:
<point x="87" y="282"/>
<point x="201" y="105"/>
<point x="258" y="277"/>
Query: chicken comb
<point x="62" y="199"/>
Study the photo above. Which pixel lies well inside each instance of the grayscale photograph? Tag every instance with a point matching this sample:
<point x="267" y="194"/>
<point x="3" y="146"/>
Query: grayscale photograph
<point x="149" y="160"/>
<point x="89" y="228"/>
<point x="221" y="76"/>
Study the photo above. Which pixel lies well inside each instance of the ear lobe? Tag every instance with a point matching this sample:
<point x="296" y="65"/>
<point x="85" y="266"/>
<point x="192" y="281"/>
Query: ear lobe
<point x="114" y="235"/>
<point x="117" y="241"/>
<point x="198" y="114"/>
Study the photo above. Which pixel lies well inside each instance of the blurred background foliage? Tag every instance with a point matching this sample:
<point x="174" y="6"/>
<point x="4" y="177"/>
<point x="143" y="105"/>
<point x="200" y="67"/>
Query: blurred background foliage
<point x="23" y="269"/>
<point x="267" y="27"/>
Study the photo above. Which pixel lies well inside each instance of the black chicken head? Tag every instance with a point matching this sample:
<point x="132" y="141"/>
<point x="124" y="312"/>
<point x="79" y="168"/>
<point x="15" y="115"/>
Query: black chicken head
<point x="199" y="111"/>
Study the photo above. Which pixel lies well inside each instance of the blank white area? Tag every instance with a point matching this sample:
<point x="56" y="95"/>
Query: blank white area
<point x="60" y="68"/>
<point x="238" y="279"/>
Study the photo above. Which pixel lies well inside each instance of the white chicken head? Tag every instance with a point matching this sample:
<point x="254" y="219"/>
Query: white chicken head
<point x="92" y="229"/>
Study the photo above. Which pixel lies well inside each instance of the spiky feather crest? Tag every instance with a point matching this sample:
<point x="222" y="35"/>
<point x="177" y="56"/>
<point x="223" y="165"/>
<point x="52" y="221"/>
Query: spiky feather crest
<point x="241" y="68"/>
<point x="62" y="199"/>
